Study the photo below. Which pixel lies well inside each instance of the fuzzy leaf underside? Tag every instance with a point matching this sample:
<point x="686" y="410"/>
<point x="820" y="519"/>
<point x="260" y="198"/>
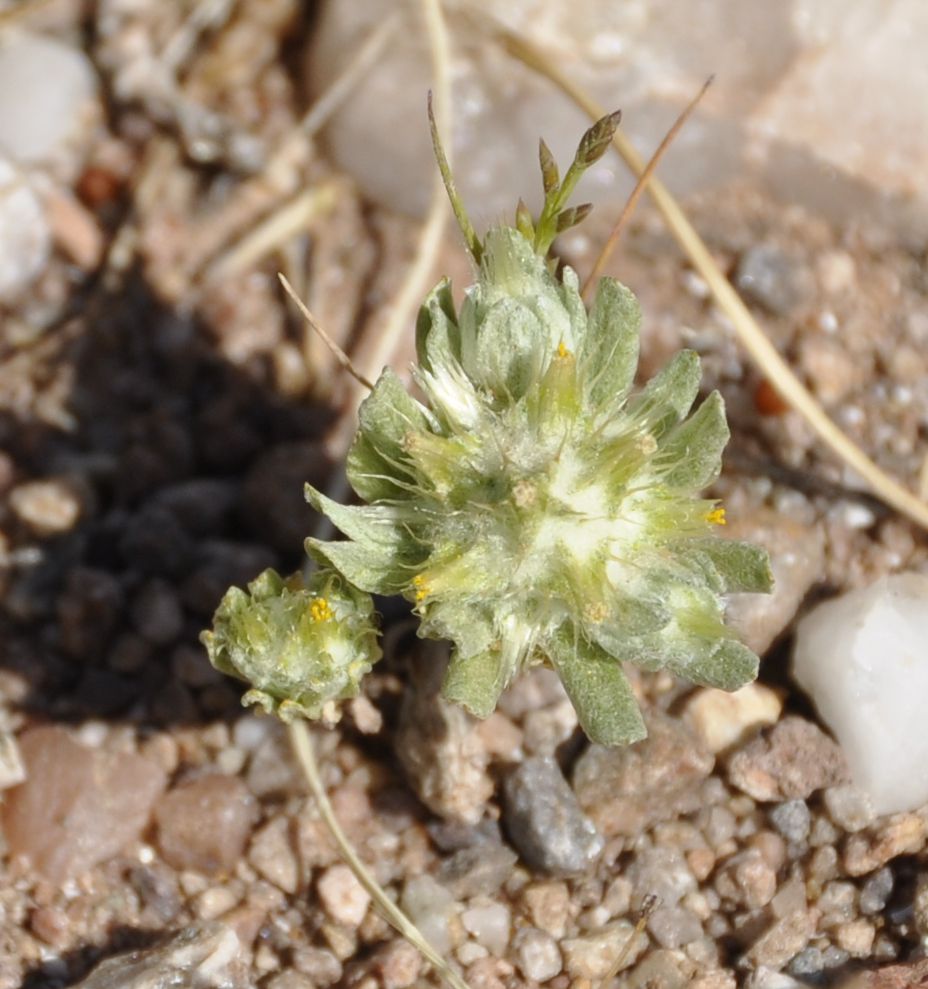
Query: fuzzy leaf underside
<point x="735" y="566"/>
<point x="669" y="395"/>
<point x="371" y="570"/>
<point x="694" y="448"/>
<point x="610" y="349"/>
<point x="597" y="688"/>
<point x="475" y="682"/>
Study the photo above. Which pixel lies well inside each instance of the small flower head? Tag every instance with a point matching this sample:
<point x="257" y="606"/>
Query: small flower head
<point x="536" y="508"/>
<point x="302" y="648"/>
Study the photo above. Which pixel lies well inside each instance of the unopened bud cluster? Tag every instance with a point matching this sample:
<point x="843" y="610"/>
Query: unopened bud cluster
<point x="303" y="647"/>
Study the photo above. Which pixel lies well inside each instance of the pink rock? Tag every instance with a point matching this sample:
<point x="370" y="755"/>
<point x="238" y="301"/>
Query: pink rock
<point x="78" y="806"/>
<point x="205" y="824"/>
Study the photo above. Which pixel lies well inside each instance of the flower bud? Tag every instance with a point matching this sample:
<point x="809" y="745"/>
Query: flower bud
<point x="302" y="647"/>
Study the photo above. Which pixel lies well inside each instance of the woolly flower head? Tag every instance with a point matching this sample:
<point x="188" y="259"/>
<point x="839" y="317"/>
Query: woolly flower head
<point x="303" y="647"/>
<point x="535" y="508"/>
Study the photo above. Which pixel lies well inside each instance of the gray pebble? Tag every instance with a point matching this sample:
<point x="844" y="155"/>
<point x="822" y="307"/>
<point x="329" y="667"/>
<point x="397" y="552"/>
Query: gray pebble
<point x="431" y="908"/>
<point x="835" y="957"/>
<point x="809" y="961"/>
<point x="544" y="820"/>
<point x="674" y="927"/>
<point x="792" y="819"/>
<point x="193" y="956"/>
<point x="660" y="872"/>
<point x="875" y="891"/>
<point x="479" y="870"/>
<point x="766" y="275"/>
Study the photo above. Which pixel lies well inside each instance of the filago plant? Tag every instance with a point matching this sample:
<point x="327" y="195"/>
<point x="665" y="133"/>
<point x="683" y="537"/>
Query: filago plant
<point x="534" y="507"/>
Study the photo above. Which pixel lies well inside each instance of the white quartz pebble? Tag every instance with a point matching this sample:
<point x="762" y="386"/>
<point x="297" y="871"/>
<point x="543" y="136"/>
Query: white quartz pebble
<point x="49" y="103"/>
<point x="25" y="238"/>
<point x="863" y="659"/>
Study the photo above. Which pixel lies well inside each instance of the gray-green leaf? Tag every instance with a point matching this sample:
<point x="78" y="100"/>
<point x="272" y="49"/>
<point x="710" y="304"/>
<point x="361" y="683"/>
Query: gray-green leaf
<point x="476" y="682"/>
<point x="611" y="348"/>
<point x="669" y="395"/>
<point x="694" y="448"/>
<point x="598" y="689"/>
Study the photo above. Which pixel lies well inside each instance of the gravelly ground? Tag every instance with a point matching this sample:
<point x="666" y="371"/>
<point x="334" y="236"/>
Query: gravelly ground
<point x="157" y="420"/>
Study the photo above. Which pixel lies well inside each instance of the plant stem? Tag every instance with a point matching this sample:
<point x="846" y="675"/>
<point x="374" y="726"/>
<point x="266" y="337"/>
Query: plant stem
<point x="303" y="747"/>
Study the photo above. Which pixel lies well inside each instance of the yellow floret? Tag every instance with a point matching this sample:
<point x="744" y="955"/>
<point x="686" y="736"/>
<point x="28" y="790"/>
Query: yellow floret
<point x="320" y="610"/>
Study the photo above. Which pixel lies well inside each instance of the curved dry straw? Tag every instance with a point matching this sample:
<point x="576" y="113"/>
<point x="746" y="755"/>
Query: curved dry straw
<point x="746" y="327"/>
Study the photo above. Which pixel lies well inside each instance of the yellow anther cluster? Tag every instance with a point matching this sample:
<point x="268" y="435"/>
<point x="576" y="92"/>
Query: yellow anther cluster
<point x="717" y="516"/>
<point x="563" y="352"/>
<point x="320" y="610"/>
<point x="422" y="588"/>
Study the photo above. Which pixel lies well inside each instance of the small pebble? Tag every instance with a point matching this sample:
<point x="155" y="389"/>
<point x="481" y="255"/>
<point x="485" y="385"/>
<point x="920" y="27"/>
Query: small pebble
<point x="49" y="507"/>
<point x="823" y="865"/>
<point x="722" y="720"/>
<point x="78" y="806"/>
<point x="214" y="902"/>
<point x="537" y="954"/>
<point x="855" y="937"/>
<point x="440" y="746"/>
<point x="593" y="955"/>
<point x="901" y="834"/>
<point x="478" y="870"/>
<point x="53" y="127"/>
<point x="809" y="962"/>
<point x="342" y="897"/>
<point x="629" y="788"/>
<point x="273" y="856"/>
<point x="489" y="923"/>
<point x="398" y="964"/>
<point x="548" y="906"/>
<point x="25" y="236"/>
<point x="792" y="819"/>
<point x="204" y="825"/>
<point x="747" y="879"/>
<point x="769" y="277"/>
<point x="292" y="980"/>
<point x="790" y="761"/>
<point x="662" y="872"/>
<point x="783" y="940"/>
<point x="431" y="908"/>
<point x="545" y="822"/>
<point x="319" y="964"/>
<point x="674" y="927"/>
<point x="837" y="903"/>
<point x="823" y="833"/>
<point x="849" y="807"/>
<point x="196" y="955"/>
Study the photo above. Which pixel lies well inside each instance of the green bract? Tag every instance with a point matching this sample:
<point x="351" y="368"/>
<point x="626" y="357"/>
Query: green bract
<point x="302" y="648"/>
<point x="535" y="509"/>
